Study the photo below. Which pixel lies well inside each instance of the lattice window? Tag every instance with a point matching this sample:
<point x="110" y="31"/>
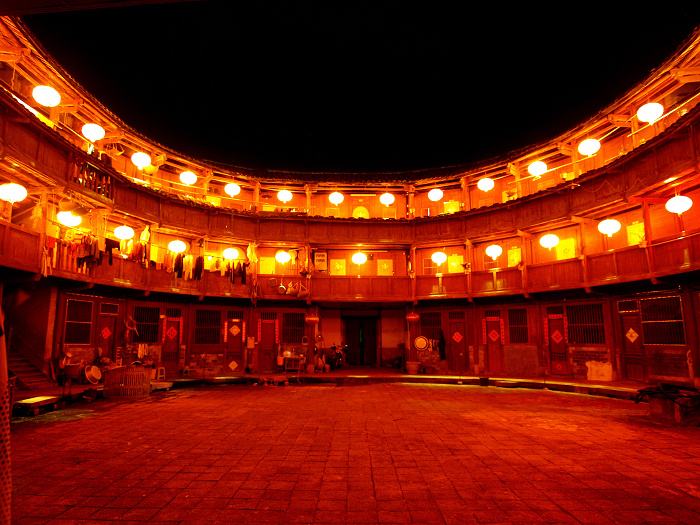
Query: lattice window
<point x="147" y="324"/>
<point x="109" y="309"/>
<point x="517" y="325"/>
<point x="627" y="306"/>
<point x="662" y="321"/>
<point x="78" y="322"/>
<point x="207" y="327"/>
<point x="586" y="325"/>
<point x="292" y="327"/>
<point x="429" y="267"/>
<point x="268" y="316"/>
<point x="455" y="316"/>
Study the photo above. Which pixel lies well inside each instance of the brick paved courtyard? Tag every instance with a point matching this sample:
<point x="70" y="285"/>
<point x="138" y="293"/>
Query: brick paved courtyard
<point x="381" y="453"/>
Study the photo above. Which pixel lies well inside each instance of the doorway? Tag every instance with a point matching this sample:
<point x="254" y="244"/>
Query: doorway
<point x="361" y="338"/>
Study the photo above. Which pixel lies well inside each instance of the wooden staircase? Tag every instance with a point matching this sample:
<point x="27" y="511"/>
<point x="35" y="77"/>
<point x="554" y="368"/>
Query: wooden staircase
<point x="28" y="376"/>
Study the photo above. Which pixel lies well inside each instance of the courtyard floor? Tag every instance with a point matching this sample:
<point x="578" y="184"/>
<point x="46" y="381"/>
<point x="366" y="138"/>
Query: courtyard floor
<point x="370" y="453"/>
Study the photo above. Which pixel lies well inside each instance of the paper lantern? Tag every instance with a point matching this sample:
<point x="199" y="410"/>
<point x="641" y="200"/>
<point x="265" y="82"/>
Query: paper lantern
<point x="494" y="251"/>
<point x="124" y="233"/>
<point x="589" y="147"/>
<point x="284" y="196"/>
<point x="359" y="258"/>
<point x="336" y="198"/>
<point x="549" y="241"/>
<point x="93" y="132"/>
<point x="68" y="218"/>
<point x="46" y="96"/>
<point x="283" y="257"/>
<point x="231" y="254"/>
<point x="387" y="199"/>
<point x="650" y="112"/>
<point x="232" y="189"/>
<point x="609" y="227"/>
<point x="177" y="246"/>
<point x="435" y="194"/>
<point x="485" y="184"/>
<point x="141" y="159"/>
<point x="679" y="204"/>
<point x="12" y="192"/>
<point x="438" y="257"/>
<point x="188" y="177"/>
<point x="537" y="168"/>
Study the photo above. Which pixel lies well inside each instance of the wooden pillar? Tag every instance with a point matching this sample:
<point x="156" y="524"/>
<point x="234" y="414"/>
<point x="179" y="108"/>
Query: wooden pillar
<point x="464" y="183"/>
<point x="410" y="201"/>
<point x="256" y="196"/>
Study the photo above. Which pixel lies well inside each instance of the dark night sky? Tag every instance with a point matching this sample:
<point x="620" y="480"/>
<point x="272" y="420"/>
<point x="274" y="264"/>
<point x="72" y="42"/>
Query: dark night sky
<point x="357" y="85"/>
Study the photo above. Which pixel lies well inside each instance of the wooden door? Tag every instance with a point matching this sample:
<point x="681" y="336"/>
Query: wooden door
<point x="106" y="329"/>
<point x="233" y="337"/>
<point x="456" y="339"/>
<point x="555" y="331"/>
<point x="361" y="338"/>
<point x="172" y="334"/>
<point x="268" y="338"/>
<point x="493" y="339"/>
<point x="634" y="362"/>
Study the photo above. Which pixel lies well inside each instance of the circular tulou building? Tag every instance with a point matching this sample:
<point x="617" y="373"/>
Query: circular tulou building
<point x="574" y="258"/>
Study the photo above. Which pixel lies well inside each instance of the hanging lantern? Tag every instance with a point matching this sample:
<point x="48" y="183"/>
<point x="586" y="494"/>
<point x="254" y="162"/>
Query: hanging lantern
<point x="141" y="159"/>
<point x="12" y="192"/>
<point x="283" y="257"/>
<point x="311" y="318"/>
<point x="284" y="196"/>
<point x="232" y="189"/>
<point x="124" y="233"/>
<point x="188" y="177"/>
<point x="435" y="194"/>
<point x="494" y="251"/>
<point x="46" y="96"/>
<point x="387" y="199"/>
<point x="412" y="317"/>
<point x="93" y="132"/>
<point x="359" y="258"/>
<point x="438" y="258"/>
<point x="69" y="219"/>
<point x="537" y="169"/>
<point x="589" y="147"/>
<point x="650" y="112"/>
<point x="177" y="246"/>
<point x="609" y="227"/>
<point x="679" y="204"/>
<point x="485" y="184"/>
<point x="336" y="198"/>
<point x="231" y="254"/>
<point x="549" y="241"/>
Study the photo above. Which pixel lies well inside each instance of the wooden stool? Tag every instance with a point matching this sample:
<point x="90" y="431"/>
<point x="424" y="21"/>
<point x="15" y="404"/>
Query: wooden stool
<point x="160" y="373"/>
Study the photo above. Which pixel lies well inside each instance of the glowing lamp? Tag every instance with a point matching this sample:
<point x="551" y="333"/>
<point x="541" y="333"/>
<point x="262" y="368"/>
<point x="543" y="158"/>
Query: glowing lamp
<point x="435" y="194"/>
<point x="46" y="96"/>
<point x="679" y="204"/>
<point x="650" y="112"/>
<point x="412" y="317"/>
<point x="537" y="168"/>
<point x="283" y="257"/>
<point x="387" y="199"/>
<point x="188" y="177"/>
<point x="284" y="196"/>
<point x="549" y="241"/>
<point x="336" y="198"/>
<point x="485" y="184"/>
<point x="12" y="192"/>
<point x="93" y="132"/>
<point x="438" y="258"/>
<point x="230" y="254"/>
<point x="232" y="189"/>
<point x="69" y="219"/>
<point x="124" y="233"/>
<point x="588" y="147"/>
<point x="141" y="159"/>
<point x="177" y="246"/>
<point x="609" y="227"/>
<point x="359" y="258"/>
<point x="494" y="251"/>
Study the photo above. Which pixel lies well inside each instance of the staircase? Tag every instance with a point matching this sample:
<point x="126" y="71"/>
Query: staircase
<point x="28" y="376"/>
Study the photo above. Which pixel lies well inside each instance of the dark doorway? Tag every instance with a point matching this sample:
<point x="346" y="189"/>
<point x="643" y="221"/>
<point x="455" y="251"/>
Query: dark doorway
<point x="361" y="338"/>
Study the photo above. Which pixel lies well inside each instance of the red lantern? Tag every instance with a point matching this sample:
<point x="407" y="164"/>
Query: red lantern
<point x="412" y="317"/>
